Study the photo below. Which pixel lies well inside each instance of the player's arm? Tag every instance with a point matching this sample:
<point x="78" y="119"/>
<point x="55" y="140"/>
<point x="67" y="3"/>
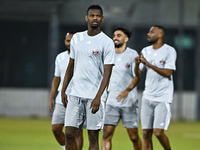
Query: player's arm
<point x="54" y="88"/>
<point x="162" y="71"/>
<point x="67" y="78"/>
<point x="137" y="70"/>
<point x="96" y="101"/>
<point x="124" y="94"/>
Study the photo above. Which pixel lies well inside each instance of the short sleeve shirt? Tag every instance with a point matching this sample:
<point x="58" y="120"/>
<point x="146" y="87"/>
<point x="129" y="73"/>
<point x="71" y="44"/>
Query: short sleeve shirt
<point x="158" y="87"/>
<point x="90" y="54"/>
<point x="61" y="64"/>
<point x="121" y="77"/>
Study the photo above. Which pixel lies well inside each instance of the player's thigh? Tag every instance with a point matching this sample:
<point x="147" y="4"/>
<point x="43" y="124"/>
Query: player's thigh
<point x="130" y="117"/>
<point x="93" y="136"/>
<point x="94" y="121"/>
<point x="58" y="116"/>
<point x="112" y="115"/>
<point x="147" y="114"/>
<point x="57" y="128"/>
<point x="162" y="115"/>
<point x="108" y="131"/>
<point x="104" y="109"/>
<point x="75" y="112"/>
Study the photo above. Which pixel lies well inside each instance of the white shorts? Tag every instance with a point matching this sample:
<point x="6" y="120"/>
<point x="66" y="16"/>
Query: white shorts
<point x="129" y="116"/>
<point x="155" y="115"/>
<point x="79" y="115"/>
<point x="58" y="114"/>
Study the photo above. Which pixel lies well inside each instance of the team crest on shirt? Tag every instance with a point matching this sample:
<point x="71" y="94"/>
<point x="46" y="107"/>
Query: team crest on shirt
<point x="162" y="61"/>
<point x="95" y="51"/>
<point x="127" y="65"/>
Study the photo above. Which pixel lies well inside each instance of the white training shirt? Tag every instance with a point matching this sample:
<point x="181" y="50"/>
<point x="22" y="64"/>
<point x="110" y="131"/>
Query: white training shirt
<point x="157" y="87"/>
<point x="121" y="77"/>
<point x="61" y="64"/>
<point x="90" y="54"/>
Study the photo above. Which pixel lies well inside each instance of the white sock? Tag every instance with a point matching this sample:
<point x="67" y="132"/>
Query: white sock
<point x="63" y="147"/>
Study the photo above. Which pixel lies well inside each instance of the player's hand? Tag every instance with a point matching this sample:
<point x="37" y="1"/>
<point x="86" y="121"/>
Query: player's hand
<point x="143" y="60"/>
<point x="64" y="99"/>
<point x="51" y="105"/>
<point x="121" y="97"/>
<point x="137" y="60"/>
<point x="95" y="105"/>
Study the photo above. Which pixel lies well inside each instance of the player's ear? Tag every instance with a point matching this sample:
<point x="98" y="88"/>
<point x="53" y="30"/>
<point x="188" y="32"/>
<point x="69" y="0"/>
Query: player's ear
<point x="160" y="35"/>
<point x="126" y="39"/>
<point x="86" y="18"/>
<point x="102" y="19"/>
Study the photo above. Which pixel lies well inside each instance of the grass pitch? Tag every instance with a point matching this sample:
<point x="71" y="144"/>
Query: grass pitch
<point x="36" y="134"/>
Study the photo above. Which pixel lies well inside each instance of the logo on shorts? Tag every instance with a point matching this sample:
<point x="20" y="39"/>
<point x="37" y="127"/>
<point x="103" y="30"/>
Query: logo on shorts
<point x="127" y="65"/>
<point x="135" y="124"/>
<point x="162" y="124"/>
<point x="95" y="51"/>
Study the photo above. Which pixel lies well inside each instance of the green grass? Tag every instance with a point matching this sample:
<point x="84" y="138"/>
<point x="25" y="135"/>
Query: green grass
<point x="36" y="134"/>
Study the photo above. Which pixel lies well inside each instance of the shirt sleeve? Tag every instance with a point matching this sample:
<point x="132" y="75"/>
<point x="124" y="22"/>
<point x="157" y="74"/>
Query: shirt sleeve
<point x="109" y="54"/>
<point x="57" y="71"/>
<point x="171" y="59"/>
<point x="72" y="50"/>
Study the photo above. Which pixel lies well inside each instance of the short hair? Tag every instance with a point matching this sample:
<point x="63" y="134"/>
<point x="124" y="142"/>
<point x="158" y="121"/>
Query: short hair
<point x="70" y="32"/>
<point x="160" y="27"/>
<point x="124" y="30"/>
<point x="95" y="7"/>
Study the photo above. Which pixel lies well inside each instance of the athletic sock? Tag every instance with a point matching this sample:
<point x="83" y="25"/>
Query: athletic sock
<point x="63" y="147"/>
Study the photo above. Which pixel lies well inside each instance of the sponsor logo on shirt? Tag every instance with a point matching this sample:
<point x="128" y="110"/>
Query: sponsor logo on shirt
<point x="95" y="51"/>
<point x="127" y="65"/>
<point x="162" y="61"/>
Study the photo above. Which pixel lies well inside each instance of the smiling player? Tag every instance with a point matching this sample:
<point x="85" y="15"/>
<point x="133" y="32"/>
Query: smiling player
<point x="122" y="101"/>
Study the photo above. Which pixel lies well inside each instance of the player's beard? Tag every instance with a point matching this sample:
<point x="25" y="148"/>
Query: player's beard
<point x="94" y="27"/>
<point x="68" y="48"/>
<point x="152" y="41"/>
<point x="118" y="45"/>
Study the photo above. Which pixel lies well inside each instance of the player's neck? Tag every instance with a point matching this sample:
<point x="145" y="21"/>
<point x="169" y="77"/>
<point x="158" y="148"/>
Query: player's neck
<point x="93" y="32"/>
<point x="158" y="45"/>
<point x="120" y="49"/>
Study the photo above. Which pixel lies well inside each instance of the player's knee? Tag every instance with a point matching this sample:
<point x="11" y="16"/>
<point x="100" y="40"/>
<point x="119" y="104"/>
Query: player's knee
<point x="93" y="141"/>
<point x="93" y="137"/>
<point x="158" y="133"/>
<point x="79" y="134"/>
<point x="56" y="130"/>
<point x="147" y="134"/>
<point x="69" y="135"/>
<point x="106" y="134"/>
<point x="134" y="138"/>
